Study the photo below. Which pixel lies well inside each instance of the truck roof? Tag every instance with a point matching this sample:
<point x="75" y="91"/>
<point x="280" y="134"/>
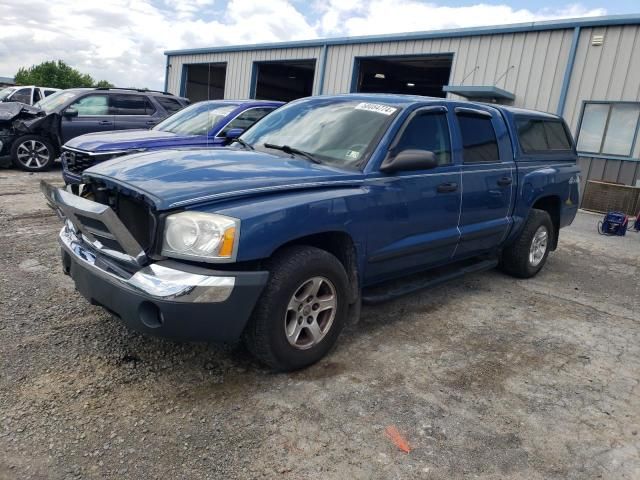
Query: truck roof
<point x="403" y="100"/>
<point x="526" y="112"/>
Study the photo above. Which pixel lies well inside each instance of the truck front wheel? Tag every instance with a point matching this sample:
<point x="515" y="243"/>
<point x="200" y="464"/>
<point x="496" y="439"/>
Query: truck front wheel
<point x="301" y="310"/>
<point x="32" y="153"/>
<point x="525" y="257"/>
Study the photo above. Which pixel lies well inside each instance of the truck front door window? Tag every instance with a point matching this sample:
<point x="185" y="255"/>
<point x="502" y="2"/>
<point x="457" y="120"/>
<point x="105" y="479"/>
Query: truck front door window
<point x="246" y="119"/>
<point x="23" y="95"/>
<point x="427" y="131"/>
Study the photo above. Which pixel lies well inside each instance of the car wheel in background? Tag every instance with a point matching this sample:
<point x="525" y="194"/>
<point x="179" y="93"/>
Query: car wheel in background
<point x="301" y="311"/>
<point x="32" y="153"/>
<point x="525" y="257"/>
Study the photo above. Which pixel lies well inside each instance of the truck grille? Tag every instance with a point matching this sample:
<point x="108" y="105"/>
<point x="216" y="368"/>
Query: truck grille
<point x="125" y="235"/>
<point x="138" y="219"/>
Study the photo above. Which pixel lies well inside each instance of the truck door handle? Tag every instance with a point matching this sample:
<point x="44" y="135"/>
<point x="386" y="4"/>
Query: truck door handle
<point x="105" y="122"/>
<point x="504" y="181"/>
<point x="447" y="187"/>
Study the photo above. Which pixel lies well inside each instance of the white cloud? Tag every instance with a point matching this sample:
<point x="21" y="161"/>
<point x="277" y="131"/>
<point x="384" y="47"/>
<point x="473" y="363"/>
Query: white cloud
<point x="392" y="16"/>
<point x="123" y="40"/>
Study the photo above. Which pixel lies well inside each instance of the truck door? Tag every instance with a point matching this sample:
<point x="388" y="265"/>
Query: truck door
<point x="487" y="180"/>
<point x="415" y="224"/>
<point x="93" y="115"/>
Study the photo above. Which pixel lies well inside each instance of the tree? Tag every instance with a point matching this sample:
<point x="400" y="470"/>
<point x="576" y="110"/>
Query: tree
<point x="103" y="84"/>
<point x="56" y="75"/>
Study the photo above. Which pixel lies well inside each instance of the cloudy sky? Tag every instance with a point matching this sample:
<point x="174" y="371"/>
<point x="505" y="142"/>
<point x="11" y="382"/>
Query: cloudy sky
<point x="123" y="41"/>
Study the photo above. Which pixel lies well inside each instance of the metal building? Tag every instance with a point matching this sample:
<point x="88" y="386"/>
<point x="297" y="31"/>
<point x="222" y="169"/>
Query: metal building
<point x="588" y="70"/>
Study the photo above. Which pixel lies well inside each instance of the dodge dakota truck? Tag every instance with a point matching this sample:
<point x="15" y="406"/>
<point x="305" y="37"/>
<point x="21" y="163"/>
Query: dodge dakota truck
<point x="325" y="203"/>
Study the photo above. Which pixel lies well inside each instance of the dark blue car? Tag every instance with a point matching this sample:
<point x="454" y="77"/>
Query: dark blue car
<point x="327" y="202"/>
<point x="199" y="125"/>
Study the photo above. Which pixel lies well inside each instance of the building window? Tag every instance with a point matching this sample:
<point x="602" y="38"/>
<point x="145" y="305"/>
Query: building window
<point x="608" y="128"/>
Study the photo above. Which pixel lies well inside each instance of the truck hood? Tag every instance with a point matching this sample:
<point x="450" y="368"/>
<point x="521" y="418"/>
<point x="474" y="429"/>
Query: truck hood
<point x="126" y="140"/>
<point x="177" y="178"/>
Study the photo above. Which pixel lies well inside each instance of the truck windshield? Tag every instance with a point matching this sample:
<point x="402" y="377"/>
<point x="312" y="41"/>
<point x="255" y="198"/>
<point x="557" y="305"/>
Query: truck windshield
<point x="196" y="119"/>
<point x="5" y="92"/>
<point x="340" y="132"/>
<point x="55" y="100"/>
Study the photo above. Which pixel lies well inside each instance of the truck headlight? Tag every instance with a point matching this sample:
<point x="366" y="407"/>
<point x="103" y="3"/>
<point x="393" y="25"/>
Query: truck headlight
<point x="207" y="237"/>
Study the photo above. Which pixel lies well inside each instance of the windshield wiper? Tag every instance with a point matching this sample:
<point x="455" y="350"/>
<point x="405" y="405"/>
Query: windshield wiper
<point x="292" y="151"/>
<point x="243" y="143"/>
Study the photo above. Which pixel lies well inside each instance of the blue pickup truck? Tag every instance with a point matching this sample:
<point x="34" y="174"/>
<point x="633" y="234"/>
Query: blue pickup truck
<point x="325" y="203"/>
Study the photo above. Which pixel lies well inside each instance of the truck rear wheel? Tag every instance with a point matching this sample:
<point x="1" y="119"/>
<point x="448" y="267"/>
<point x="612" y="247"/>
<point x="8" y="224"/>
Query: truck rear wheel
<point x="301" y="311"/>
<point x="525" y="257"/>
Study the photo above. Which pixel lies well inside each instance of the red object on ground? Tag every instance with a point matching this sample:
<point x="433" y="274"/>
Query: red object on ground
<point x="396" y="437"/>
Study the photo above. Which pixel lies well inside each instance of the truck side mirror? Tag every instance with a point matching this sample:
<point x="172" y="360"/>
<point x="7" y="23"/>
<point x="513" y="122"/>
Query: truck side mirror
<point x="70" y="112"/>
<point x="410" y="160"/>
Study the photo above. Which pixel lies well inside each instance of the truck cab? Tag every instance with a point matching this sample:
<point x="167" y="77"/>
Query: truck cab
<point x="323" y="204"/>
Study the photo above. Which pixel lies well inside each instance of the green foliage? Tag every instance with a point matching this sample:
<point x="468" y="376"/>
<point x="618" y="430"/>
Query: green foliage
<point x="57" y="75"/>
<point x="103" y="83"/>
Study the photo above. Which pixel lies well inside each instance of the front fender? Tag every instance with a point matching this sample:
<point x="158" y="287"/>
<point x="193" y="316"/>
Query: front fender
<point x="268" y="222"/>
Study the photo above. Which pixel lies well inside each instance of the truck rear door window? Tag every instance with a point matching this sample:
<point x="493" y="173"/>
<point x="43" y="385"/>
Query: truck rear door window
<point x="478" y="138"/>
<point x="542" y="136"/>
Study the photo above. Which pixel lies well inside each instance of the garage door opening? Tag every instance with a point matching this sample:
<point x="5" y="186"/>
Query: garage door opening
<point x="416" y="75"/>
<point x="205" y="81"/>
<point x="284" y="81"/>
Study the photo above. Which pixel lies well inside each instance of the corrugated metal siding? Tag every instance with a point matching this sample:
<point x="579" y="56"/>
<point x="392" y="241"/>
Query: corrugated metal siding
<point x="539" y="60"/>
<point x="608" y="170"/>
<point x="239" y="67"/>
<point x="610" y="72"/>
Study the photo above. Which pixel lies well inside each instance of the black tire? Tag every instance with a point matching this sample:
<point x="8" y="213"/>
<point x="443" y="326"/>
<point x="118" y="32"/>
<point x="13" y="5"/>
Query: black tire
<point x="515" y="259"/>
<point x="265" y="335"/>
<point x="41" y="148"/>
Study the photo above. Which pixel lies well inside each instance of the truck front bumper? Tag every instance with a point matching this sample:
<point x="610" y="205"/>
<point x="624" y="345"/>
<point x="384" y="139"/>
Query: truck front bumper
<point x="165" y="298"/>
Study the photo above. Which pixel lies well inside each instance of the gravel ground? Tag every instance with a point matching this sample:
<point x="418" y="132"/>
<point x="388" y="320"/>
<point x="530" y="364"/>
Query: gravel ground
<point x="488" y="377"/>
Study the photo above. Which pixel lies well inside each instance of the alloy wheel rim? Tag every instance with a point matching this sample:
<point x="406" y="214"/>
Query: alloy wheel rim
<point x="310" y="313"/>
<point x="538" y="246"/>
<point x="33" y="154"/>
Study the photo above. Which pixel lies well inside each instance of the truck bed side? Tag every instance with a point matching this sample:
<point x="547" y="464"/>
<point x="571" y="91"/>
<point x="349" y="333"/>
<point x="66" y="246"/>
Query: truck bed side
<point x="544" y="180"/>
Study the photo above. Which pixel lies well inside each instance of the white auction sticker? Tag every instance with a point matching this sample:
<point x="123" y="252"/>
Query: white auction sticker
<point x="376" y="107"/>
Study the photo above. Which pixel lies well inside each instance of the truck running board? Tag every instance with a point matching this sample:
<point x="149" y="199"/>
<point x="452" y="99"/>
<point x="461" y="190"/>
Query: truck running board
<point x="398" y="288"/>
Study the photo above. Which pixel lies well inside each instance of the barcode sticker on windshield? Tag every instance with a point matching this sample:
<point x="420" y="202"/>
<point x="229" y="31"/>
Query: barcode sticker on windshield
<point x="376" y="107"/>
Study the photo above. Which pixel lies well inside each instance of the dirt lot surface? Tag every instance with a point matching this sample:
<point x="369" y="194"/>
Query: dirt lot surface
<point x="488" y="377"/>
